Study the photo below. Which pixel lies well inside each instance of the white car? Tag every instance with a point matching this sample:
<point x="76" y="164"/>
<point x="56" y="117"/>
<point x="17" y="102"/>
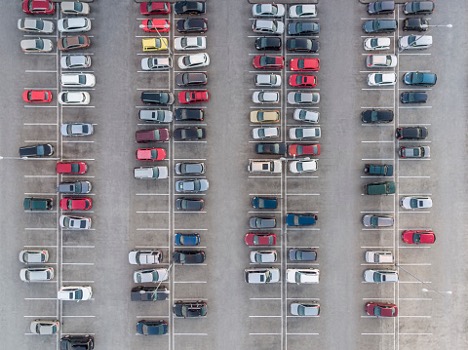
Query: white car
<point x="303" y="11"/>
<point x="151" y="173"/>
<point x="381" y="79"/>
<point x="377" y="43"/>
<point x="303" y="166"/>
<point x="380" y="276"/>
<point x="416" y="202"/>
<point x="304" y="115"/>
<point x="44" y="327"/>
<point x="36" y="45"/>
<point x="268" y="10"/>
<point x="379" y="257"/>
<point x="74" y="25"/>
<point x="305" y="133"/>
<point x="150" y="275"/>
<point x="262" y="275"/>
<point x="156" y="63"/>
<point x="299" y="97"/>
<point x="193" y="61"/>
<point x="145" y="257"/>
<point x="75" y="293"/>
<point x="303" y="276"/>
<point x="77" y="80"/>
<point x="381" y="61"/>
<point x="74" y="8"/>
<point x="415" y="42"/>
<point x="74" y="98"/>
<point x="272" y="80"/>
<point x="37" y="274"/>
<point x="268" y="26"/>
<point x="305" y="309"/>
<point x="265" y="133"/>
<point x="155" y="115"/>
<point x="76" y="129"/>
<point x="75" y="61"/>
<point x="265" y="97"/>
<point x="186" y="43"/>
<point x="263" y="256"/>
<point x="35" y="25"/>
<point x="34" y="256"/>
<point x="70" y="222"/>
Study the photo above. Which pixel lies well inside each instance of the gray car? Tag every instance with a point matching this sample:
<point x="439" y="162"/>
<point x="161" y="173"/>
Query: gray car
<point x="371" y="220"/>
<point x="77" y="187"/>
<point x="155" y="115"/>
<point x="262" y="222"/>
<point x="37" y="274"/>
<point x="76" y="129"/>
<point x="192" y="185"/>
<point x="156" y="63"/>
<point x="75" y="61"/>
<point x="35" y="25"/>
<point x="302" y="254"/>
<point x="190" y="168"/>
<point x="305" y="309"/>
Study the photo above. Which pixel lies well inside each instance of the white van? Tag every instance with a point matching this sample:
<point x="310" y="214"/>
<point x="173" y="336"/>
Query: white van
<point x="379" y="257"/>
<point x="265" y="166"/>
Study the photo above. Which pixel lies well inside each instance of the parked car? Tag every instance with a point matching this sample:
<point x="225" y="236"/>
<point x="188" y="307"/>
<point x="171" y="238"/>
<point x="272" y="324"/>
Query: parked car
<point x="415" y="42"/>
<point x="38" y="7"/>
<point x="418" y="237"/>
<point x="415" y="152"/>
<point x="379" y="257"/>
<point x="268" y="62"/>
<point x="151" y="154"/>
<point x="311" y="309"/>
<point x="187" y="239"/>
<point x="381" y="61"/>
<point x="302" y="45"/>
<point x="265" y="133"/>
<point x="260" y="239"/>
<point x="270" y="80"/>
<point x="76" y="203"/>
<point x="381" y="7"/>
<point x="377" y="43"/>
<point x="35" y="25"/>
<point x="157" y="97"/>
<point x="152" y="135"/>
<point x="186" y="43"/>
<point x="413" y="97"/>
<point x="152" y="327"/>
<point x="268" y="43"/>
<point x="77" y="80"/>
<point x="302" y="64"/>
<point x="307" y="116"/>
<point x="381" y="79"/>
<point x="262" y="275"/>
<point x="416" y="202"/>
<point x="190" y="309"/>
<point x="67" y="43"/>
<point x="190" y="204"/>
<point x="380" y="26"/>
<point x="34" y="256"/>
<point x="378" y="169"/>
<point x="155" y="115"/>
<point x="196" y="60"/>
<point x="189" y="134"/>
<point x="145" y="257"/>
<point x="37" y="96"/>
<point x="76" y="129"/>
<point x="151" y="275"/>
<point x="74" y="8"/>
<point x="299" y="97"/>
<point x="262" y="222"/>
<point x="302" y="254"/>
<point x="192" y="25"/>
<point x="190" y="7"/>
<point x="188" y="256"/>
<point x="155" y="63"/>
<point x="380" y="276"/>
<point x="297" y="150"/>
<point x="36" y="151"/>
<point x="263" y="256"/>
<point x="191" y="79"/>
<point x="73" y="24"/>
<point x="188" y="168"/>
<point x="155" y="25"/>
<point x="76" y="187"/>
<point x="44" y="327"/>
<point x="379" y="309"/>
<point x="152" y="8"/>
<point x="75" y="61"/>
<point x="192" y="185"/>
<point x="302" y="81"/>
<point x="303" y="276"/>
<point x="71" y="222"/>
<point x="264" y="202"/>
<point x="143" y="293"/>
<point x="303" y="166"/>
<point x="268" y="26"/>
<point x="37" y="274"/>
<point x="74" y="98"/>
<point x="305" y="219"/>
<point x="193" y="96"/>
<point x="418" y="8"/>
<point x="303" y="11"/>
<point x="37" y="45"/>
<point x="38" y="204"/>
<point x="377" y="116"/>
<point x="265" y="166"/>
<point x="372" y="220"/>
<point x="411" y="133"/>
<point x="75" y="293"/>
<point x="268" y="10"/>
<point x="267" y="116"/>
<point x="151" y="173"/>
<point x="303" y="28"/>
<point x="76" y="342"/>
<point x="302" y="133"/>
<point x="418" y="24"/>
<point x="189" y="114"/>
<point x="270" y="148"/>
<point x="265" y="97"/>
<point x="75" y="168"/>
<point x="420" y="79"/>
<point x="380" y="188"/>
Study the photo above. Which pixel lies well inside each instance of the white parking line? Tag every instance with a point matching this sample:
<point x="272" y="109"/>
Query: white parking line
<point x="41" y="71"/>
<point x="378" y="333"/>
<point x="33" y="299"/>
<point x="301" y="334"/>
<point x="303" y="194"/>
<point x="40" y="124"/>
<point x="414" y="176"/>
<point x="377" y="212"/>
<point x="378" y="141"/>
<point x="151" y="194"/>
<point x="301" y="176"/>
<point x="265" y="333"/>
<point x="40" y="229"/>
<point x="40" y="106"/>
<point x="152" y="212"/>
<point x="152" y="229"/>
<point x="42" y="141"/>
<point x="270" y="298"/>
<point x="400" y="333"/>
<point x="77" y="316"/>
<point x="376" y="247"/>
<point x="78" y="282"/>
<point x="376" y="107"/>
<point x="415" y="247"/>
<point x="414" y="124"/>
<point x="77" y="141"/>
<point x="264" y="212"/>
<point x="377" y="159"/>
<point x="40" y="316"/>
<point x="414" y="107"/>
<point x="79" y="246"/>
<point x="188" y="282"/>
<point x="260" y="316"/>
<point x="79" y="264"/>
<point x="415" y="316"/>
<point x="39" y="176"/>
<point x="150" y="316"/>
<point x="417" y="299"/>
<point x="191" y="334"/>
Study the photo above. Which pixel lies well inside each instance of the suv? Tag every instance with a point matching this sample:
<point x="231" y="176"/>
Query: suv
<point x="269" y="26"/>
<point x="152" y="135"/>
<point x="35" y="204"/>
<point x="77" y="342"/>
<point x="379" y="169"/>
<point x="157" y="97"/>
<point x="268" y="43"/>
<point x="420" y="79"/>
<point x="371" y="220"/>
<point x="190" y="168"/>
<point x="413" y="97"/>
<point x="36" y="151"/>
<point x="411" y="133"/>
<point x="380" y="26"/>
<point x="379" y="257"/>
<point x="418" y="8"/>
<point x="142" y="293"/>
<point x="379" y="188"/>
<point x="265" y="166"/>
<point x="415" y="152"/>
<point x="191" y="79"/>
<point x="77" y="187"/>
<point x="381" y="7"/>
<point x="189" y="309"/>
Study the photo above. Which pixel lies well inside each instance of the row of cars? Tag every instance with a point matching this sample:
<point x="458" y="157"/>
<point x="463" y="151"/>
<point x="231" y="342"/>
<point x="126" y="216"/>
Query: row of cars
<point x="37" y="260"/>
<point x="411" y="133"/>
<point x="267" y="22"/>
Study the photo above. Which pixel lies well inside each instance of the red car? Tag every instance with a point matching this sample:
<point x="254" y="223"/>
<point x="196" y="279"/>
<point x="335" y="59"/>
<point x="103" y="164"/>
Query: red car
<point x="155" y="25"/>
<point x="37" y="96"/>
<point x="418" y="237"/>
<point x="38" y="7"/>
<point x="74" y="168"/>
<point x="151" y="154"/>
<point x="82" y="203"/>
<point x="304" y="64"/>
<point x="254" y="239"/>
<point x="268" y="62"/>
<point x="193" y="96"/>
<point x="381" y="309"/>
<point x="155" y="8"/>
<point x="304" y="150"/>
<point x="303" y="81"/>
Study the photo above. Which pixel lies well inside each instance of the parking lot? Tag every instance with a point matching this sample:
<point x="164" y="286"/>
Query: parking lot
<point x="132" y="214"/>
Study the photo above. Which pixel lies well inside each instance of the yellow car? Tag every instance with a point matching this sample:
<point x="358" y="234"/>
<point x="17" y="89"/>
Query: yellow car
<point x="154" y="44"/>
<point x="265" y="116"/>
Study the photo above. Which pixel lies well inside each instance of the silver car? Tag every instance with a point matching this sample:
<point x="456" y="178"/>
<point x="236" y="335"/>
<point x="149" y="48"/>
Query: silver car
<point x="299" y="97"/>
<point x="265" y="133"/>
<point x="75" y="293"/>
<point x="371" y="220"/>
<point x="34" y="256"/>
<point x="151" y="173"/>
<point x="75" y="61"/>
<point x="76" y="129"/>
<point x="44" y="327"/>
<point x="192" y="185"/>
<point x="187" y="43"/>
<point x="193" y="61"/>
<point x="262" y="275"/>
<point x="145" y="257"/>
<point x="305" y="133"/>
<point x="311" y="309"/>
<point x="37" y="274"/>
<point x="272" y="80"/>
<point x="304" y="115"/>
<point x="156" y="115"/>
<point x="156" y="63"/>
<point x="74" y="8"/>
<point x="36" y="45"/>
<point x="150" y="275"/>
<point x="74" y="25"/>
<point x="35" y="25"/>
<point x="263" y="256"/>
<point x="265" y="97"/>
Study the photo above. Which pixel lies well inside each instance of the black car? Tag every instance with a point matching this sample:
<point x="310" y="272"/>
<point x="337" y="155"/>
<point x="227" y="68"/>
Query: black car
<point x="411" y="133"/>
<point x="190" y="8"/>
<point x="303" y="28"/>
<point x="151" y="327"/>
<point x="413" y="97"/>
<point x="302" y="254"/>
<point x="36" y="151"/>
<point x="189" y="256"/>
<point x="77" y="342"/>
<point x="377" y="116"/>
<point x="270" y="148"/>
<point x="142" y="293"/>
<point x="380" y="26"/>
<point x="191" y="79"/>
<point x="190" y="204"/>
<point x="268" y="43"/>
<point x="189" y="114"/>
<point x="157" y="97"/>
<point x="418" y="8"/>
<point x="302" y="45"/>
<point x="418" y="24"/>
<point x="188" y="309"/>
<point x="192" y="25"/>
<point x="189" y="134"/>
<point x="188" y="168"/>
<point x="381" y="7"/>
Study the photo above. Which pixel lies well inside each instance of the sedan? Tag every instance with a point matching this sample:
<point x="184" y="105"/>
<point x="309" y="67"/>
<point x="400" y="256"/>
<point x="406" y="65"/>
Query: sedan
<point x="297" y="150"/>
<point x="76" y="42"/>
<point x="303" y="81"/>
<point x="193" y="61"/>
<point x="76" y="203"/>
<point x="262" y="275"/>
<point x="44" y="327"/>
<point x="191" y="79"/>
<point x="418" y="24"/>
<point x="377" y="116"/>
<point x="36" y="45"/>
<point x="190" y="7"/>
<point x="302" y="254"/>
<point x="264" y="202"/>
<point x="268" y="26"/>
<point x="303" y="166"/>
<point x="187" y="239"/>
<point x="156" y="63"/>
<point x="418" y="237"/>
<point x="75" y="222"/>
<point x="265" y="97"/>
<point x="305" y="309"/>
<point x="413" y="97"/>
<point x="303" y="11"/>
<point x="74" y="8"/>
<point x="379" y="309"/>
<point x="151" y="327"/>
<point x="34" y="256"/>
<point x="263" y="256"/>
<point x="76" y="129"/>
<point x="75" y="61"/>
<point x="75" y="293"/>
<point x="298" y="97"/>
<point x="259" y="239"/>
<point x="150" y="275"/>
<point x="304" y="115"/>
<point x="265" y="133"/>
<point x="186" y="43"/>
<point x="418" y="8"/>
<point x="377" y="43"/>
<point x="265" y="116"/>
<point x="190" y="204"/>
<point x="189" y="114"/>
<point x="305" y="133"/>
<point x="74" y="25"/>
<point x="38" y="7"/>
<point x="415" y="42"/>
<point x="149" y="44"/>
<point x="305" y="64"/>
<point x="416" y="202"/>
<point x="268" y="43"/>
<point x="152" y="8"/>
<point x="188" y="256"/>
<point x="192" y="25"/>
<point x="303" y="276"/>
<point x="270" y="148"/>
<point x="37" y="96"/>
<point x="35" y="25"/>
<point x="74" y="98"/>
<point x="262" y="222"/>
<point x="420" y="79"/>
<point x="268" y="10"/>
<point x="75" y="342"/>
<point x="411" y="133"/>
<point x="268" y="62"/>
<point x="302" y="45"/>
<point x="151" y="173"/>
<point x="381" y="79"/>
<point x="192" y="185"/>
<point x="143" y="293"/>
<point x="150" y="154"/>
<point x="155" y="25"/>
<point x="303" y="28"/>
<point x="189" y="134"/>
<point x="193" y="96"/>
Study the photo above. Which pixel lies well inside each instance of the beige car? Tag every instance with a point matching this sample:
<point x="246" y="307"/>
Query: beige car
<point x="265" y="116"/>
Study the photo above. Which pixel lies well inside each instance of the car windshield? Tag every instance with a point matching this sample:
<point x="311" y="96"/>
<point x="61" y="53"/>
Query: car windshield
<point x="377" y="311"/>
<point x="265" y="60"/>
<point x="416" y="238"/>
<point x="39" y="24"/>
<point x="66" y="221"/>
<point x="39" y="44"/>
<point x="413" y="203"/>
<point x="154" y="153"/>
<point x="261" y="132"/>
<point x="378" y="78"/>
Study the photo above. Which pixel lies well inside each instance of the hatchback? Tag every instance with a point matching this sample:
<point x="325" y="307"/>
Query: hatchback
<point x="268" y="43"/>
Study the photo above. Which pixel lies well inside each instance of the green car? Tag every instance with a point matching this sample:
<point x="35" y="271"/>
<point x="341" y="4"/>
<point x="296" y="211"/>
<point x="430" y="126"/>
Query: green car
<point x="377" y="188"/>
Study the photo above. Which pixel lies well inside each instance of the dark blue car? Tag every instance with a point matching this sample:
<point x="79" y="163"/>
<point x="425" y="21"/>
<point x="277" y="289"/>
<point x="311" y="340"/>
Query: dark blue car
<point x="264" y="202"/>
<point x="187" y="239"/>
<point x="301" y="219"/>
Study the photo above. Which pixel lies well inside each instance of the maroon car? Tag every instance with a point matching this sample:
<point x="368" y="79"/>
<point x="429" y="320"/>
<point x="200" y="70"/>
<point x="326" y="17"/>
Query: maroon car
<point x="155" y="8"/>
<point x="38" y="7"/>
<point x="268" y="62"/>
<point x="152" y="135"/>
<point x="259" y="239"/>
<point x="304" y="150"/>
<point x="378" y="309"/>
